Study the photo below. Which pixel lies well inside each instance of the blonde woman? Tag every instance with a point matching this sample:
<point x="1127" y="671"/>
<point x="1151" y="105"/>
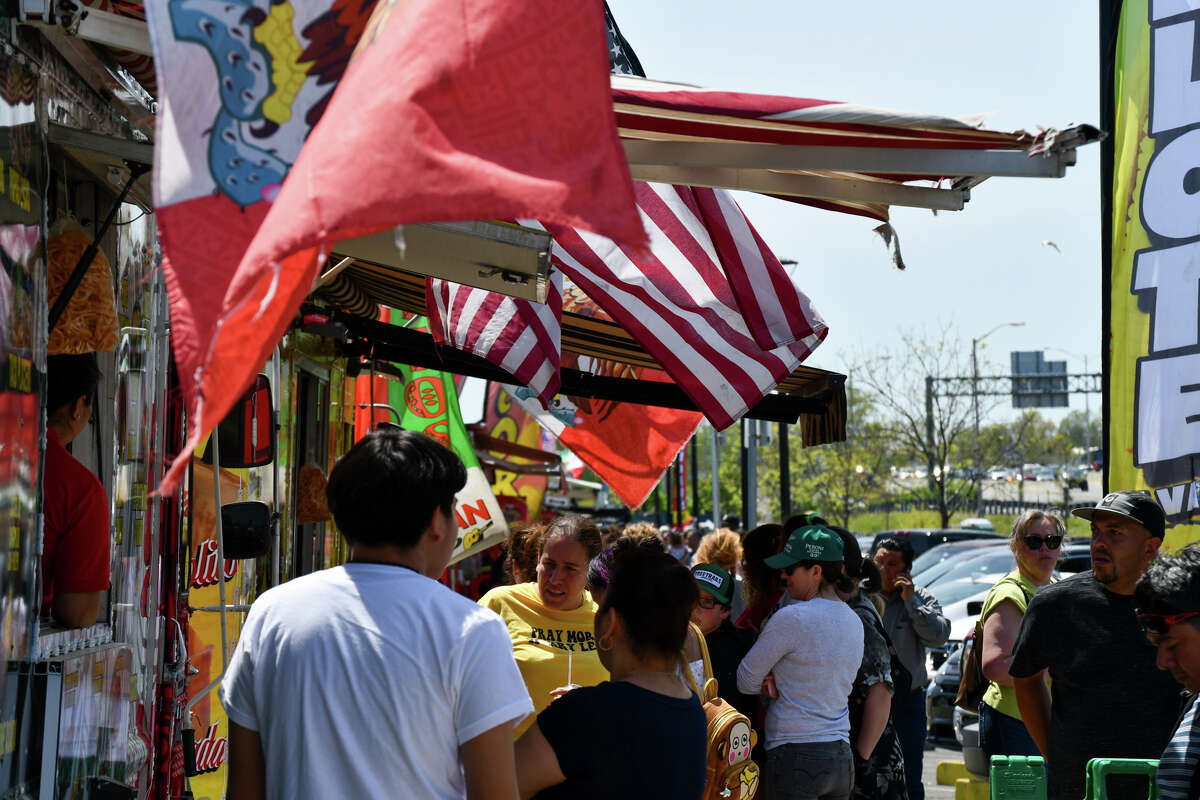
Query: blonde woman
<point x="1036" y="541"/>
<point x="723" y="547"/>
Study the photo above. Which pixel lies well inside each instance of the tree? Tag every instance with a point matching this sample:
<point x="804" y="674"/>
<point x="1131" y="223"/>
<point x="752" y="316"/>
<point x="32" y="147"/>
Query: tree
<point x="1081" y="430"/>
<point x="920" y="423"/>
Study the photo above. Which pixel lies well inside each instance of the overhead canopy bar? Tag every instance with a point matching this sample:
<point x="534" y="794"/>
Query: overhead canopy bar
<point x="819" y="406"/>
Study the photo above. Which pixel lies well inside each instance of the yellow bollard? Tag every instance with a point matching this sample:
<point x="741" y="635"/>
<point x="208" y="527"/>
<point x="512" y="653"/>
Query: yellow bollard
<point x="948" y="772"/>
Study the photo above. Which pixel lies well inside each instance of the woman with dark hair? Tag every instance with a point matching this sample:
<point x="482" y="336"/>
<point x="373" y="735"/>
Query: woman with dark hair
<point x="643" y="732"/>
<point x="550" y="620"/>
<point x="600" y="569"/>
<point x="878" y="759"/>
<point x="761" y="585"/>
<point x="600" y="574"/>
<point x="806" y="659"/>
<point x="75" y="541"/>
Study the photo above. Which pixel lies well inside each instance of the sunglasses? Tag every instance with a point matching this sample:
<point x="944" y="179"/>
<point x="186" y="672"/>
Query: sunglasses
<point x="1159" y="623"/>
<point x="1036" y="542"/>
<point x="707" y="603"/>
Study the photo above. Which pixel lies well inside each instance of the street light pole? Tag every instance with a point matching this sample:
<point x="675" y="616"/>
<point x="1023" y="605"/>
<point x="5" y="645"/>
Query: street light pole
<point x="975" y="400"/>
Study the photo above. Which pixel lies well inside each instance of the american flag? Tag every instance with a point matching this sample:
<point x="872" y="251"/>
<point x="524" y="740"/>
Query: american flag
<point x="680" y="303"/>
<point x="519" y="336"/>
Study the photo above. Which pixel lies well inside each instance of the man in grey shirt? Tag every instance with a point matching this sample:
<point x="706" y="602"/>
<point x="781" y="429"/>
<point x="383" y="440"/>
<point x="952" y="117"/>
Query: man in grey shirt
<point x="913" y="619"/>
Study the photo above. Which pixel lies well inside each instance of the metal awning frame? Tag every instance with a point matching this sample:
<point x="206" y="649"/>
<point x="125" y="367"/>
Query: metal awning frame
<point x="772" y="168"/>
<point x="382" y="341"/>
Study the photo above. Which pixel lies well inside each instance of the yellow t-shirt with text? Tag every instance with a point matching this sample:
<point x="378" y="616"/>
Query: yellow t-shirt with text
<point x="543" y="639"/>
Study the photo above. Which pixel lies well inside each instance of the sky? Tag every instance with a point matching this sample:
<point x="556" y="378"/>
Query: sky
<point x="973" y="269"/>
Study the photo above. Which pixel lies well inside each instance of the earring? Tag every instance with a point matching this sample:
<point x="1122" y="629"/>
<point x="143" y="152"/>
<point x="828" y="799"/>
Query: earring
<point x="600" y="645"/>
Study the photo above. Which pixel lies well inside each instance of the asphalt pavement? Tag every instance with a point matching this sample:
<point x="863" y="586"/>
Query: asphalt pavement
<point x="929" y="772"/>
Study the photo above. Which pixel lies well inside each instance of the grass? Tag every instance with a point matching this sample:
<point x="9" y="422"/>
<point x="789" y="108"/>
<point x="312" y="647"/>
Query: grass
<point x="873" y="523"/>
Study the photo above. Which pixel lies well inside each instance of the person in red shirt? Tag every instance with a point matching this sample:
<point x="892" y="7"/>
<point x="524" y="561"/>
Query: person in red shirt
<point x="75" y="541"/>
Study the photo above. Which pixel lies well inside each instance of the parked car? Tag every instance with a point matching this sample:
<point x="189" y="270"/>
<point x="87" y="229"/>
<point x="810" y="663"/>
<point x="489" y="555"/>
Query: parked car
<point x="940" y="554"/>
<point x="922" y="539"/>
<point x="1075" y="476"/>
<point x="864" y="541"/>
<point x="1076" y="557"/>
<point x="939" y="698"/>
<point x="989" y="561"/>
<point x="1045" y="474"/>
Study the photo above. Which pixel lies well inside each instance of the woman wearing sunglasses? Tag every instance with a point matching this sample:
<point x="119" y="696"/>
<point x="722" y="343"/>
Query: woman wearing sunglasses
<point x="1036" y="542"/>
<point x="806" y="659"/>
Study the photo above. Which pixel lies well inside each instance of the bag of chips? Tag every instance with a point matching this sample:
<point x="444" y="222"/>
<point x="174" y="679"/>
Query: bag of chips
<point x="89" y="323"/>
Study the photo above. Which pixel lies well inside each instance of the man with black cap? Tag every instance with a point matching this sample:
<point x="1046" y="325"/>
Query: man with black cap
<point x="1106" y="696"/>
<point x="1168" y="606"/>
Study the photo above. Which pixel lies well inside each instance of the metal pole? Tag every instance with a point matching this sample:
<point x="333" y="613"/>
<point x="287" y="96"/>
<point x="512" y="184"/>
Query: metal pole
<point x="670" y="487"/>
<point x="752" y="476"/>
<point x="680" y="485"/>
<point x="929" y="426"/>
<point x="743" y="457"/>
<point x="715" y="457"/>
<point x="785" y="474"/>
<point x="975" y="402"/>
<point x="695" y="480"/>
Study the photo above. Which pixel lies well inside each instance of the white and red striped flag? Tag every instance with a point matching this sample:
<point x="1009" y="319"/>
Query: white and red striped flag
<point x="519" y="336"/>
<point x="709" y="301"/>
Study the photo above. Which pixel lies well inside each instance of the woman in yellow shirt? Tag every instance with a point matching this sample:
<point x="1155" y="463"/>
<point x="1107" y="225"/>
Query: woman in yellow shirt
<point x="1036" y="541"/>
<point x="551" y="620"/>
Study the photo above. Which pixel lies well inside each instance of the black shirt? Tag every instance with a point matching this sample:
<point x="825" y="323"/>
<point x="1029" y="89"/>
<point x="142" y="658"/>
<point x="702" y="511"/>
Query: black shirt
<point x="727" y="646"/>
<point x="620" y="740"/>
<point x="1108" y="698"/>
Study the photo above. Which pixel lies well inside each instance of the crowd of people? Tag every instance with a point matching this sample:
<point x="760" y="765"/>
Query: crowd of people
<point x="584" y="676"/>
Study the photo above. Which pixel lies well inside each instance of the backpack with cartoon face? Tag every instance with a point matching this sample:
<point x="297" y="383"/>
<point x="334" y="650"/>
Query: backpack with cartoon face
<point x="730" y="774"/>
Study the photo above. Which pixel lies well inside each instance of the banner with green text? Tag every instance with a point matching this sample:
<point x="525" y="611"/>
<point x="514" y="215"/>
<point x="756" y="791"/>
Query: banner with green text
<point x="428" y="403"/>
<point x="1153" y="321"/>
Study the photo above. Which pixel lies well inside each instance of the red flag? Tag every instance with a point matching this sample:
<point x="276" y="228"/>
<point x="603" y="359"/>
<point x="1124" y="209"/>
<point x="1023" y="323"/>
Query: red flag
<point x="471" y="109"/>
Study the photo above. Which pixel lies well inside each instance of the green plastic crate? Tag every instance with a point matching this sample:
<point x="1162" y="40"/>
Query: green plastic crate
<point x="1017" y="778"/>
<point x="1098" y="769"/>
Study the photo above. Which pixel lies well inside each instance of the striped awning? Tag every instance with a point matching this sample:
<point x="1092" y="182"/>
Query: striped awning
<point x="840" y="156"/>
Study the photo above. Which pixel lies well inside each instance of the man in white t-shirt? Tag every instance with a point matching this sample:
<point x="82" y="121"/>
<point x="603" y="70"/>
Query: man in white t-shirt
<point x="372" y="679"/>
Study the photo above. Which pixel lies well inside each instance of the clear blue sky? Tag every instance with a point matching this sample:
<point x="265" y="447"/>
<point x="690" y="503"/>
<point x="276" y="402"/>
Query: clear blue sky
<point x="1027" y="66"/>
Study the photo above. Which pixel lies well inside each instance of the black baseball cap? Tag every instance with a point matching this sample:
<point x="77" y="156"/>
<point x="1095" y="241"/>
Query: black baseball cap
<point x="1138" y="506"/>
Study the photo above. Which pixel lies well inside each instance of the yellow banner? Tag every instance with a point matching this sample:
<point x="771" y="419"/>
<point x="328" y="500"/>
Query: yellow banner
<point x="1154" y="320"/>
<point x="204" y="627"/>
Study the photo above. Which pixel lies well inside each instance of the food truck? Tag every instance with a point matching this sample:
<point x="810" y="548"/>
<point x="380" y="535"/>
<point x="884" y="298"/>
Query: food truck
<point x="128" y="707"/>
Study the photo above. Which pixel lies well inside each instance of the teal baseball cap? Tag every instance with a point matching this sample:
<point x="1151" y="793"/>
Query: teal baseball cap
<point x="715" y="580"/>
<point x="810" y="543"/>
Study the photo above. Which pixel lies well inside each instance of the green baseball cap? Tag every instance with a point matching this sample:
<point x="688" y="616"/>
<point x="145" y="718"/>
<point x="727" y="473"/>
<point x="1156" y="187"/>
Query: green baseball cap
<point x="715" y="580"/>
<point x="810" y="543"/>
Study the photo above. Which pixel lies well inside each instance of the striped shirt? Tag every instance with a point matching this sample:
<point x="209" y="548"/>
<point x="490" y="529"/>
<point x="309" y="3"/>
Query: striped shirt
<point x="1179" y="761"/>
